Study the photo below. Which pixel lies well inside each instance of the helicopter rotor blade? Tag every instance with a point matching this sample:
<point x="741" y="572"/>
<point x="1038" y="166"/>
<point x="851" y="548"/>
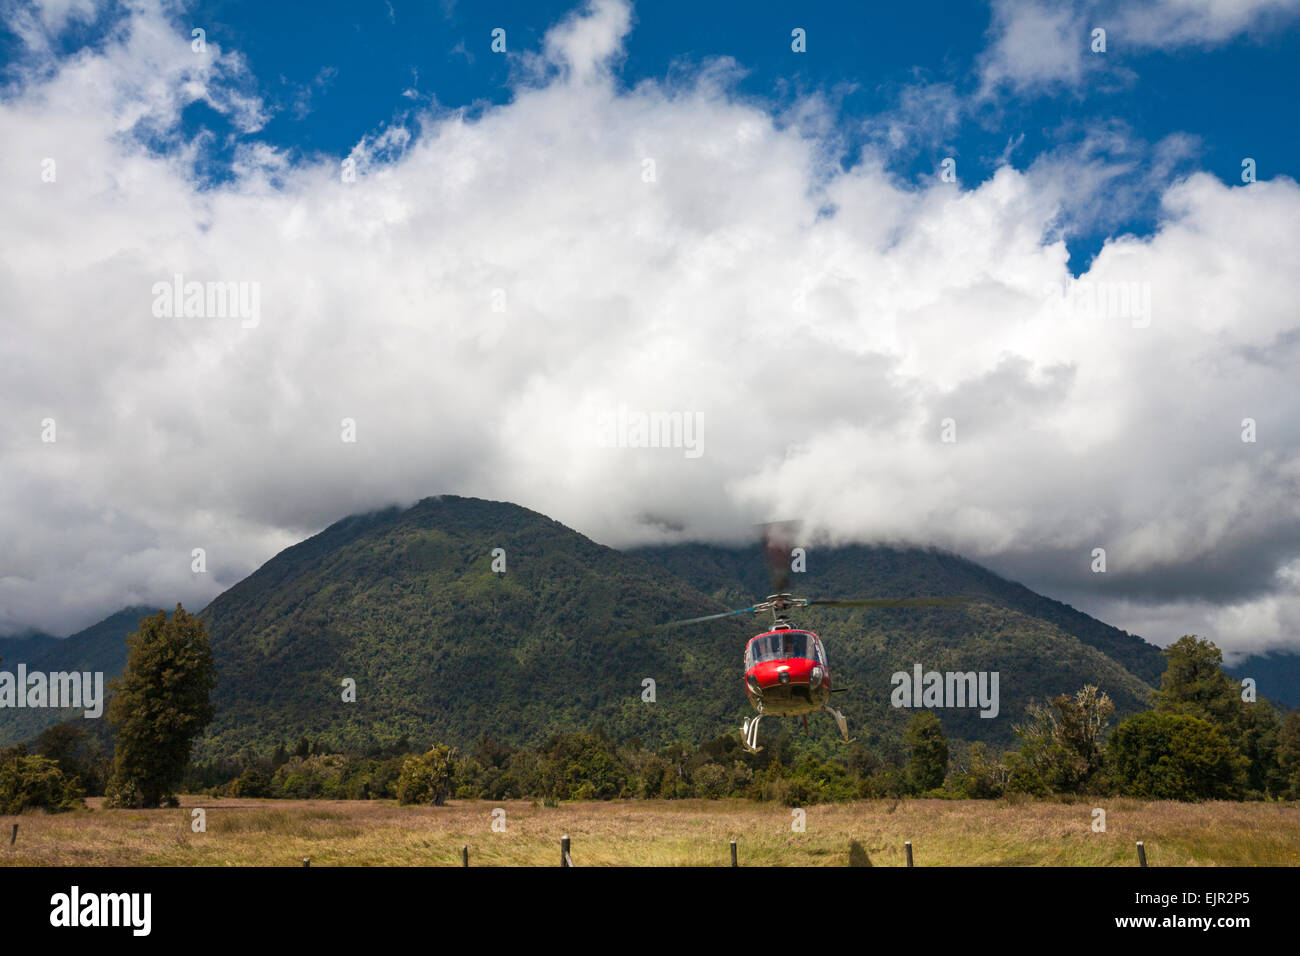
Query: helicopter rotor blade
<point x="711" y="617"/>
<point x="894" y="602"/>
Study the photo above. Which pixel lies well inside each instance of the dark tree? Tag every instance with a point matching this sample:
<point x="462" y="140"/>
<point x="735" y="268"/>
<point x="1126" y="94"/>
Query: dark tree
<point x="160" y="704"/>
<point x="1162" y="756"/>
<point x="1195" y="685"/>
<point x="928" y="764"/>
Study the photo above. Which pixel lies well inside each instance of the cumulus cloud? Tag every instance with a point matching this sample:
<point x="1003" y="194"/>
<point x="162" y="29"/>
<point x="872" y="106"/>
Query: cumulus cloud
<point x="490" y="294"/>
<point x="1046" y="44"/>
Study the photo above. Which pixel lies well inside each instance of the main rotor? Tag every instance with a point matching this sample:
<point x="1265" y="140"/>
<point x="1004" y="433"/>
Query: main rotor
<point x="777" y="541"/>
<point x="781" y="604"/>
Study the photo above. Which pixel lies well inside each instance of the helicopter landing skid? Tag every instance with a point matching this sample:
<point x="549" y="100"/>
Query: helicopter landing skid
<point x="749" y="734"/>
<point x="840" y="722"/>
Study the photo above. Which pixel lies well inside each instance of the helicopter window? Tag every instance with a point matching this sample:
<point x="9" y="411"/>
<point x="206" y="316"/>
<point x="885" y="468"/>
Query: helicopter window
<point x="784" y="644"/>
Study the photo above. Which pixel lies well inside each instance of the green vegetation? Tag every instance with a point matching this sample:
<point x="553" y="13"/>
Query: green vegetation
<point x="426" y="778"/>
<point x="30" y="781"/>
<point x="473" y="685"/>
<point x="159" y="705"/>
<point x="405" y="603"/>
<point x="1061" y="750"/>
<point x="1166" y="756"/>
<point x="928" y="764"/>
<point x="1064" y="750"/>
<point x="100" y="647"/>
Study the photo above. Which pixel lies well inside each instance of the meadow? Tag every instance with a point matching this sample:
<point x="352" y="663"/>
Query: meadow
<point x="250" y="832"/>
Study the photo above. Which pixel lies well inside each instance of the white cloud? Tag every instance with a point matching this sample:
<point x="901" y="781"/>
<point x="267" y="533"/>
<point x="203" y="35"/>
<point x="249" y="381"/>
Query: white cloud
<point x="1033" y="43"/>
<point x="1168" y="23"/>
<point x="1041" y="44"/>
<point x="586" y="41"/>
<point x="821" y="350"/>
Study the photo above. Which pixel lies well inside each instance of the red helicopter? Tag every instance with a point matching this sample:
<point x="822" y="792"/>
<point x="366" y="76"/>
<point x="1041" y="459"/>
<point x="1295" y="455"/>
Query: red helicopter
<point x="786" y="671"/>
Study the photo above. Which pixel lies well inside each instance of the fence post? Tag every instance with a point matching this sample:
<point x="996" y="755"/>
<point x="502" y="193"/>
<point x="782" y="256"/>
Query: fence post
<point x="908" y="847"/>
<point x="306" y="861"/>
<point x="565" y="858"/>
<point x="733" y="854"/>
<point x="14" y="835"/>
<point x="464" y="856"/>
<point x="1142" y="854"/>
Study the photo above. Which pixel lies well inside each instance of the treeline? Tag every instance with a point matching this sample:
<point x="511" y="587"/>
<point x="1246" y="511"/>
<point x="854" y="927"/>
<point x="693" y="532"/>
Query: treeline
<point x="1203" y="739"/>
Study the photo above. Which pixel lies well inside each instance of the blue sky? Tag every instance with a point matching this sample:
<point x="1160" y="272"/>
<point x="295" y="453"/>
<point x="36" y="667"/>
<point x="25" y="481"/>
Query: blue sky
<point x="346" y="70"/>
<point x="658" y="207"/>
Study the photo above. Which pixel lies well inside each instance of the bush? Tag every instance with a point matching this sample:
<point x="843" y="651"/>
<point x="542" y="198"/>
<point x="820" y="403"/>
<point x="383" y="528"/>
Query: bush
<point x="584" y="766"/>
<point x="711" y="781"/>
<point x="1061" y="744"/>
<point x="886" y="782"/>
<point x="426" y="778"/>
<point x="1164" y="756"/>
<point x="320" y="775"/>
<point x="253" y="782"/>
<point x="984" y="778"/>
<point x="29" y="781"/>
<point x="815" y="781"/>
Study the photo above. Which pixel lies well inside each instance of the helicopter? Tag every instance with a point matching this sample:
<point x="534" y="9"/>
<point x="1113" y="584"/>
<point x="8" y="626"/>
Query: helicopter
<point x="786" y="669"/>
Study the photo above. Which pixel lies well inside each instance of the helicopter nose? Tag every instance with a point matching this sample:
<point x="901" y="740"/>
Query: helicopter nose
<point x="783" y="675"/>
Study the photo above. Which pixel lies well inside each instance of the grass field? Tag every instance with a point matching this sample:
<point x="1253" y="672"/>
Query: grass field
<point x="659" y="833"/>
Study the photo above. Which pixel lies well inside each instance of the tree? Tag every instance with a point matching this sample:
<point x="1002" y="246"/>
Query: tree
<point x="1162" y="756"/>
<point x="1195" y="685"/>
<point x="584" y="766"/>
<point x="1256" y="738"/>
<point x="79" y="755"/>
<point x="160" y="704"/>
<point x="1061" y="744"/>
<point x="1288" y="752"/>
<point x="1194" y="682"/>
<point x="711" y="781"/>
<point x="985" y="776"/>
<point x="928" y="764"/>
<point x="426" y="778"/>
<point x="30" y="780"/>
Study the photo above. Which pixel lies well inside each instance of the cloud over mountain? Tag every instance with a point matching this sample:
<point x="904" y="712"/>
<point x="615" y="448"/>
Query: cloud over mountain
<point x="492" y="282"/>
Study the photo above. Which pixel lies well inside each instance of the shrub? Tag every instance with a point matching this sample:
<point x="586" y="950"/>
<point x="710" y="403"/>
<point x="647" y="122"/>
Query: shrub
<point x="1165" y="756"/>
<point x="30" y="781"/>
<point x="426" y="778"/>
<point x="711" y="781"/>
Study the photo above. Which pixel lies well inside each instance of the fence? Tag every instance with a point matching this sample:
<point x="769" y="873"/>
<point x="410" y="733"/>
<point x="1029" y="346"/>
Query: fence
<point x="566" y="855"/>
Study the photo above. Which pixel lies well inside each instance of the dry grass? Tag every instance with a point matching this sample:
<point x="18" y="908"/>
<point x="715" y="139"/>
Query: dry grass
<point x="660" y="833"/>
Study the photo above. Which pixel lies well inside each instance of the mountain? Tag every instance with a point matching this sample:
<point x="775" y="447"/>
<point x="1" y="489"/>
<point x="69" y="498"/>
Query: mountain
<point x="405" y="603"/>
<point x="1039" y="647"/>
<point x="1277" y="676"/>
<point x="21" y="647"/>
<point x="740" y="574"/>
<point x="100" y="647"/>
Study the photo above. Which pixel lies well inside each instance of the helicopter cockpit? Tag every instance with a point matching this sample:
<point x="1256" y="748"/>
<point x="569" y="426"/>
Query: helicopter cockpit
<point x="781" y="645"/>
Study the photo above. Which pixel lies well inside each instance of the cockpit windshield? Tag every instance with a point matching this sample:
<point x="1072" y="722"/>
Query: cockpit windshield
<point x="783" y="644"/>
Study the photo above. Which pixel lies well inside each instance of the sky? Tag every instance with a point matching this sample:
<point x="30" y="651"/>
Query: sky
<point x="963" y="274"/>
